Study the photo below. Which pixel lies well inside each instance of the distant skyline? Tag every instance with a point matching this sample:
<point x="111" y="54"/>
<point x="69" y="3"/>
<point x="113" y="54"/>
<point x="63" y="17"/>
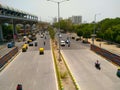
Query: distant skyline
<point x="47" y="10"/>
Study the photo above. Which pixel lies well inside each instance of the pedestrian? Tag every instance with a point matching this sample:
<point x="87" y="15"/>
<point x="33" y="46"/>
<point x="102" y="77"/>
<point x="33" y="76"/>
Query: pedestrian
<point x="44" y="43"/>
<point x="100" y="44"/>
<point x="69" y="44"/>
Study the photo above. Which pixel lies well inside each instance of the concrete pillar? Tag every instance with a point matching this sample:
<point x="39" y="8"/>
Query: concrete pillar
<point x="31" y="27"/>
<point x="1" y="33"/>
<point x="14" y="27"/>
<point x="14" y="30"/>
<point x="24" y="26"/>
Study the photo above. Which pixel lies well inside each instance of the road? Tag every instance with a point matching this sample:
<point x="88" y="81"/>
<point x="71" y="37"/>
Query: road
<point x="81" y="62"/>
<point x="33" y="71"/>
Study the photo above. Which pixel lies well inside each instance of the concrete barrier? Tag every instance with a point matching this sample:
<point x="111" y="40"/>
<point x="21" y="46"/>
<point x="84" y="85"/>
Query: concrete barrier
<point x="108" y="55"/>
<point x="8" y="56"/>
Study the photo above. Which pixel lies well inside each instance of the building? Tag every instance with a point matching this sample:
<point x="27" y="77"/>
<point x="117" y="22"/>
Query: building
<point x="76" y="19"/>
<point x="55" y="19"/>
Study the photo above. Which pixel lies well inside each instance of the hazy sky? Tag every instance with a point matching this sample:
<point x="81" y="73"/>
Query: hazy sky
<point x="46" y="10"/>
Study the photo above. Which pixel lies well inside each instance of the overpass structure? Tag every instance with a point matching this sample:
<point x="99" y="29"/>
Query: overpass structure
<point x="15" y="16"/>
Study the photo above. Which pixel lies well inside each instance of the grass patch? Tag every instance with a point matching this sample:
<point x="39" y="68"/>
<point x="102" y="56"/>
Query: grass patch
<point x="63" y="75"/>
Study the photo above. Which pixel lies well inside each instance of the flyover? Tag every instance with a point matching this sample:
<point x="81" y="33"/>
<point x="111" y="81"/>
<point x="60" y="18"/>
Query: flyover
<point x="15" y="16"/>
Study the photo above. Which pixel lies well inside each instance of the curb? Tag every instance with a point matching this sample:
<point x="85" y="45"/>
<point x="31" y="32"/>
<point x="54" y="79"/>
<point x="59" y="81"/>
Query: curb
<point x="70" y="73"/>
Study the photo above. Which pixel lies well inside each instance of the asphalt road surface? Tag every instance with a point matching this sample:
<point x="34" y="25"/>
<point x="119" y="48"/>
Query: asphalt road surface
<point x="33" y="71"/>
<point x="81" y="63"/>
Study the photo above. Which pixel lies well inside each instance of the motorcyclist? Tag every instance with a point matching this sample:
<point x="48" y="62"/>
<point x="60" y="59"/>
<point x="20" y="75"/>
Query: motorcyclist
<point x="19" y="87"/>
<point x="97" y="64"/>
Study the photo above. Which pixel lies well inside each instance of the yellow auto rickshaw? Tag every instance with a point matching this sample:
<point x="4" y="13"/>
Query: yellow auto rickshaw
<point x="29" y="41"/>
<point x="41" y="50"/>
<point x="25" y="47"/>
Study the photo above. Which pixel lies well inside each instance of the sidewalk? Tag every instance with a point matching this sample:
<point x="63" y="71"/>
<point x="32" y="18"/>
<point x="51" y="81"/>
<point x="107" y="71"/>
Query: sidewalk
<point x="110" y="47"/>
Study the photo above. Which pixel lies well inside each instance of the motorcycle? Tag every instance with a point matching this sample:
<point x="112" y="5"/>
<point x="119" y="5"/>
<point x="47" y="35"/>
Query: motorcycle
<point x="97" y="65"/>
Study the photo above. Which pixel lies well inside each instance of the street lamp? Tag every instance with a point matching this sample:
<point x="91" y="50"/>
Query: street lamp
<point x="59" y="36"/>
<point x="94" y="34"/>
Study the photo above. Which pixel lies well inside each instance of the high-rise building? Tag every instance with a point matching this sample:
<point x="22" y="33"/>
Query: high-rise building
<point x="54" y="20"/>
<point x="76" y="19"/>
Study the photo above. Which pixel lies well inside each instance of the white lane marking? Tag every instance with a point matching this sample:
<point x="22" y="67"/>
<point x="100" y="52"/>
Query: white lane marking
<point x="11" y="86"/>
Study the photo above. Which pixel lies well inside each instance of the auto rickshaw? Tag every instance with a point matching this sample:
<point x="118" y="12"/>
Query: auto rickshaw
<point x="29" y="41"/>
<point x="41" y="51"/>
<point x="24" y="48"/>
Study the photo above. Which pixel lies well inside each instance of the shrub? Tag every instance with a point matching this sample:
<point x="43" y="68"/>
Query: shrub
<point x="63" y="75"/>
<point x="98" y="39"/>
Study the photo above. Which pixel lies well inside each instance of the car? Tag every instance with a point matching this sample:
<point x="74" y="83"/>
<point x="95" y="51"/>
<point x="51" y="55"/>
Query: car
<point x="118" y="72"/>
<point x="85" y="41"/>
<point x="78" y="38"/>
<point x="31" y="44"/>
<point x="62" y="43"/>
<point x="41" y="35"/>
<point x="10" y="44"/>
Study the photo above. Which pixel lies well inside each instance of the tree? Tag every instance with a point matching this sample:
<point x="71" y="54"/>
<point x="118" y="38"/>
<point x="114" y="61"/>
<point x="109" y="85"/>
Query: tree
<point x="7" y="31"/>
<point x="109" y="34"/>
<point x="118" y="39"/>
<point x="51" y="32"/>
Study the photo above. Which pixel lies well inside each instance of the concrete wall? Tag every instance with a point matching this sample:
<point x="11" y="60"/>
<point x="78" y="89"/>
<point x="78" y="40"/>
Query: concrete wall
<point x="108" y="55"/>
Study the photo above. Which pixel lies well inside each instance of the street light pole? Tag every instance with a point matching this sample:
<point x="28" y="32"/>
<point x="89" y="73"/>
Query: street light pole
<point x="59" y="28"/>
<point x="59" y="36"/>
<point x="94" y="34"/>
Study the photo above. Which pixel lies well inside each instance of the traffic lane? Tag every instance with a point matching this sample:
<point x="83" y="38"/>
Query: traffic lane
<point x="30" y="69"/>
<point x="73" y="43"/>
<point x="40" y="43"/>
<point x="81" y="63"/>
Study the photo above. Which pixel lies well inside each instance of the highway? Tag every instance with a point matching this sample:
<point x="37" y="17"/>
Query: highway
<point x="33" y="71"/>
<point x="81" y="61"/>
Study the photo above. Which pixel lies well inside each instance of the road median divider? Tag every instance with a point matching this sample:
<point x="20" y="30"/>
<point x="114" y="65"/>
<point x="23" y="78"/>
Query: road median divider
<point x="57" y="72"/>
<point x="71" y="75"/>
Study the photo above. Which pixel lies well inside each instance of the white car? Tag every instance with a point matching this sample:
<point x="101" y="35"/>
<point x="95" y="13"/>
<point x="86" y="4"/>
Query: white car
<point x="41" y="35"/>
<point x="62" y="43"/>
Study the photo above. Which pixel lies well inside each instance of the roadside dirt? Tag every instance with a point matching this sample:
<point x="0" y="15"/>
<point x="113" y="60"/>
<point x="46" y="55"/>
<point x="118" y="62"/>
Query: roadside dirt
<point x="66" y="79"/>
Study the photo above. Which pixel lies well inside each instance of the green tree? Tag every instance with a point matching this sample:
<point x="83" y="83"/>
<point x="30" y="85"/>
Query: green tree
<point x="52" y="33"/>
<point x="7" y="31"/>
<point x="109" y="34"/>
<point x="118" y="39"/>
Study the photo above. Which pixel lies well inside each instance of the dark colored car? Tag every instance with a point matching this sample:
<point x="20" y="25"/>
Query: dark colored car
<point x="19" y="87"/>
<point x="11" y="44"/>
<point x="31" y="44"/>
<point x="78" y="38"/>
